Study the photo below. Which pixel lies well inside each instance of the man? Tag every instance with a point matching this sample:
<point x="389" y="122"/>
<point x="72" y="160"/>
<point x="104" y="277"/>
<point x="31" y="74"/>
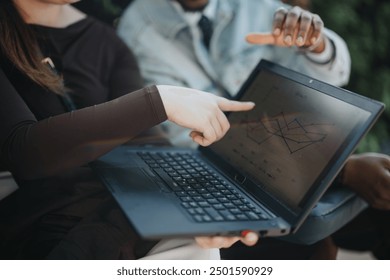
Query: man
<point x="166" y="38"/>
<point x="176" y="45"/>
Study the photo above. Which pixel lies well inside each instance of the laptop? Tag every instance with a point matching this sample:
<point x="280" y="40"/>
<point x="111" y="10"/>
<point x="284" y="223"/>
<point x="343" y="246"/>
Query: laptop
<point x="265" y="175"/>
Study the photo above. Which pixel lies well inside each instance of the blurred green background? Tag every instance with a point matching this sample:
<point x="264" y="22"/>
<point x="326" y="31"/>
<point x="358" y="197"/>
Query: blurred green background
<point x="362" y="23"/>
<point x="364" y="26"/>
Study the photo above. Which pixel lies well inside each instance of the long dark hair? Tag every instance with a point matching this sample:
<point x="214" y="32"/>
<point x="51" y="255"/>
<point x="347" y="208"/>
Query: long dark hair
<point x="20" y="46"/>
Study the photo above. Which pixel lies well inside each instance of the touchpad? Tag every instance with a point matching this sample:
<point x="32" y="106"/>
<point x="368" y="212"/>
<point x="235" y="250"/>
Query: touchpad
<point x="129" y="179"/>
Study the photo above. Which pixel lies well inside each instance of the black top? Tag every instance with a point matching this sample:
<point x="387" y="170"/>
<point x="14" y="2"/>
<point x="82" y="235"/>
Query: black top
<point x="47" y="148"/>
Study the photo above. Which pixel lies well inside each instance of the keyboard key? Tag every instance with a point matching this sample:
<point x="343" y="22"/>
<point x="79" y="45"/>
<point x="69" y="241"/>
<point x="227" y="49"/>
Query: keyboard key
<point x="213" y="214"/>
<point x="227" y="215"/>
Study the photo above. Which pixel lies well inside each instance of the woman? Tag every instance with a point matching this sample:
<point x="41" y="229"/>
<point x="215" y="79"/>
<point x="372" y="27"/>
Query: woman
<point x="59" y="71"/>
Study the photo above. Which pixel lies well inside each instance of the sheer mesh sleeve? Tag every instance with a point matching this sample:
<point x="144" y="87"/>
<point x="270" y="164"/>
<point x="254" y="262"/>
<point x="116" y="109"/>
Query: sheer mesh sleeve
<point x="32" y="149"/>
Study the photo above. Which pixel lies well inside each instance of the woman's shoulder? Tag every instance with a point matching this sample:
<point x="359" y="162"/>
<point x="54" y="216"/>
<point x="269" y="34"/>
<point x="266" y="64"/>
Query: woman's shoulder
<point x="79" y="20"/>
<point x="101" y="30"/>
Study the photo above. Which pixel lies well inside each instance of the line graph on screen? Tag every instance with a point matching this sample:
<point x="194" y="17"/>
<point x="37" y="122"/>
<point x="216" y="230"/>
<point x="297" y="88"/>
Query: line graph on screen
<point x="295" y="133"/>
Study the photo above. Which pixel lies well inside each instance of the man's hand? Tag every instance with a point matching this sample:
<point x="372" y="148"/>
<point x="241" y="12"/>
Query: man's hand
<point x="369" y="176"/>
<point x="294" y="27"/>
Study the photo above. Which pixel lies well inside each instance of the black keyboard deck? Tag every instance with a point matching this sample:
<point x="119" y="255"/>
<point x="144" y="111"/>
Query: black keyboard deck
<point x="205" y="195"/>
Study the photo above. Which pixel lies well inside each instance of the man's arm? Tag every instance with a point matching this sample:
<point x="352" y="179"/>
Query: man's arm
<point x="368" y="174"/>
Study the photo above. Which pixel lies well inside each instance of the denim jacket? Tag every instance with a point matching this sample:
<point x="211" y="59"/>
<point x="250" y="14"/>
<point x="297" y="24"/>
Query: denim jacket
<point x="170" y="51"/>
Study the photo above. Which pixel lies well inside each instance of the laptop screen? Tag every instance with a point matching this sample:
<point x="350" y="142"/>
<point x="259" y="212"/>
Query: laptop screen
<point x="287" y="141"/>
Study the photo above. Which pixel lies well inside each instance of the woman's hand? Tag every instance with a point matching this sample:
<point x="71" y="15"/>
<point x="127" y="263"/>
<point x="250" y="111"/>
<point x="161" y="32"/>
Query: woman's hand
<point x="369" y="176"/>
<point x="200" y="111"/>
<point x="294" y="27"/>
<point x="249" y="238"/>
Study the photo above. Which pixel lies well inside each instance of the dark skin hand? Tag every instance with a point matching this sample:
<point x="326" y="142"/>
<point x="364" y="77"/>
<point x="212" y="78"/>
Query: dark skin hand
<point x="368" y="175"/>
<point x="294" y="27"/>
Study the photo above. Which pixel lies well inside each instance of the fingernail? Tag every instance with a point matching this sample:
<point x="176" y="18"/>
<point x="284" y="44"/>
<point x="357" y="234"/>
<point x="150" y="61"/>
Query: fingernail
<point x="251" y="237"/>
<point x="277" y="31"/>
<point x="288" y="40"/>
<point x="313" y="40"/>
<point x="300" y="41"/>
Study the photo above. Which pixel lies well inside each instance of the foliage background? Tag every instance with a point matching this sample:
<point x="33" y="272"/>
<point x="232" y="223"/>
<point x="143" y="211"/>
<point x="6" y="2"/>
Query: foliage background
<point x="362" y="23"/>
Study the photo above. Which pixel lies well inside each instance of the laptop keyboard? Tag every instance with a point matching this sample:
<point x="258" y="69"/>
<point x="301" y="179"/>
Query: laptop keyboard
<point x="203" y="194"/>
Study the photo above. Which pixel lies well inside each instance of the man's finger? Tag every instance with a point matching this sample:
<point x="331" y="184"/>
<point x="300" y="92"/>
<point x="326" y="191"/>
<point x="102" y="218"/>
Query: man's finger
<point x="304" y="28"/>
<point x="261" y="38"/>
<point x="290" y="25"/>
<point x="279" y="17"/>
<point x="318" y="25"/>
